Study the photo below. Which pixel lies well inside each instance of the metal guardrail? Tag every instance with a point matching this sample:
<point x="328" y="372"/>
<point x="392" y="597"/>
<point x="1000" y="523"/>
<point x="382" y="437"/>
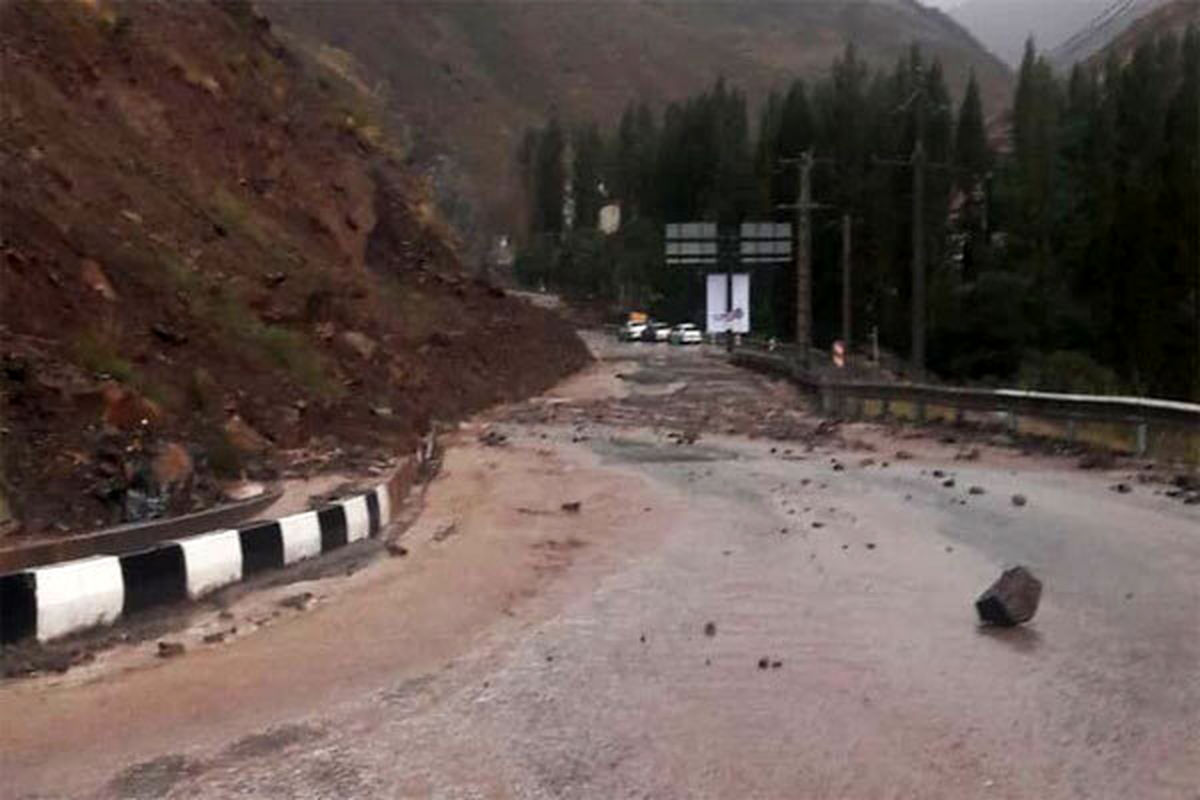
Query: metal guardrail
<point x="1143" y="426"/>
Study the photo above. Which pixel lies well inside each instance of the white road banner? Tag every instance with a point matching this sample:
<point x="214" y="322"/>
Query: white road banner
<point x="720" y="318"/>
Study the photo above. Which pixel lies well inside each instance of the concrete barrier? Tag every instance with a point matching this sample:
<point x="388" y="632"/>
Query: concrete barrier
<point x="52" y="601"/>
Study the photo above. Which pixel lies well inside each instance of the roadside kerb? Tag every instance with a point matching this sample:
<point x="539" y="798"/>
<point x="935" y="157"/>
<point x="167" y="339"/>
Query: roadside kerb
<point x="52" y="601"/>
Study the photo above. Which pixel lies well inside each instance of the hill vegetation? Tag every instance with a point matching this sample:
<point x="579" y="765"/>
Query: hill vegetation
<point x="467" y="79"/>
<point x="1070" y="263"/>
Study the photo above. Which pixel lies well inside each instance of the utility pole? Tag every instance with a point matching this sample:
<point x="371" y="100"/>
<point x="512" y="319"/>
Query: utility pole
<point x="803" y="207"/>
<point x="847" y="327"/>
<point x="804" y="258"/>
<point x="918" y="254"/>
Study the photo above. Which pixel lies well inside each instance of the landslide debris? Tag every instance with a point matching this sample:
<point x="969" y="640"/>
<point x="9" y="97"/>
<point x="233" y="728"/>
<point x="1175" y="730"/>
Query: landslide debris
<point x="215" y="265"/>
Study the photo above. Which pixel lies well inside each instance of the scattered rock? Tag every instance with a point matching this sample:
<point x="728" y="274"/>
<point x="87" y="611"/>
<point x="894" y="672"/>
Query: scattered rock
<point x="214" y="638"/>
<point x="710" y="628"/>
<point x="818" y="525"/>
<point x="360" y="343"/>
<point x="170" y="649"/>
<point x="172" y="466"/>
<point x="396" y="550"/>
<point x="168" y="335"/>
<point x="976" y="490"/>
<point x="126" y="410"/>
<point x="445" y="532"/>
<point x="573" y="507"/>
<point x="838" y="467"/>
<point x="776" y="664"/>
<point x="1121" y="488"/>
<point x="273" y="279"/>
<point x="948" y="483"/>
<point x="967" y="455"/>
<point x="243" y="438"/>
<point x="937" y="473"/>
<point x="1019" y="500"/>
<point x="903" y="455"/>
<point x="1011" y="600"/>
<point x="94" y="278"/>
<point x="298" y="602"/>
<point x="764" y="662"/>
<point x="870" y="545"/>
<point x="1101" y="459"/>
<point x="491" y="438"/>
<point x="382" y="411"/>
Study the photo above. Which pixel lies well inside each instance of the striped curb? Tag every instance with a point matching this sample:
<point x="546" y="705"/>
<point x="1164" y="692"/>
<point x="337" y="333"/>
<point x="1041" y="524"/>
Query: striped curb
<point x="53" y="601"/>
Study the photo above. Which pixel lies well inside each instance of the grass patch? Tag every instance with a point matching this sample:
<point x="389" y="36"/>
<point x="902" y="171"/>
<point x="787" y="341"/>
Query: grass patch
<point x="99" y="355"/>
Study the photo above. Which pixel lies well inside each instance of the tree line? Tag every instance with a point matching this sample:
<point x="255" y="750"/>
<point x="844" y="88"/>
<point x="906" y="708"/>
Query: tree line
<point x="1062" y="240"/>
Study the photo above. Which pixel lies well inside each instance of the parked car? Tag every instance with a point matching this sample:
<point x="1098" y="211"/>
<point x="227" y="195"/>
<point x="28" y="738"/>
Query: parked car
<point x="656" y="332"/>
<point x="631" y="331"/>
<point x="687" y="333"/>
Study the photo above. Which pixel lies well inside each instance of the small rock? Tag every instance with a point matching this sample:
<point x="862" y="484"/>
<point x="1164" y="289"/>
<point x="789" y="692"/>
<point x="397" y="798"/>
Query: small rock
<point x="396" y="549"/>
<point x="764" y="662"/>
<point x="360" y="343"/>
<point x="776" y="664"/>
<point x="839" y="467"/>
<point x="243" y="437"/>
<point x="493" y="439"/>
<point x="818" y="525"/>
<point x="299" y="602"/>
<point x="710" y="629"/>
<point x="168" y="335"/>
<point x="903" y="455"/>
<point x="1121" y="488"/>
<point x="948" y="483"/>
<point x="1019" y="500"/>
<point x="572" y="507"/>
<point x="967" y="455"/>
<point x="1011" y="600"/>
<point x="975" y="490"/>
<point x="937" y="473"/>
<point x="382" y="411"/>
<point x="870" y="545"/>
<point x="170" y="649"/>
<point x="214" y="638"/>
<point x="94" y="278"/>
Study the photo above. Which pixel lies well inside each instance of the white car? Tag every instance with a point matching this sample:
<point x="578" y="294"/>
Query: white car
<point x="656" y="332"/>
<point x="631" y="331"/>
<point x="687" y="333"/>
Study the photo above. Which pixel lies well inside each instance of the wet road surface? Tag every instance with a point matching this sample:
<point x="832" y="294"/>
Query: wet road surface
<point x="726" y="617"/>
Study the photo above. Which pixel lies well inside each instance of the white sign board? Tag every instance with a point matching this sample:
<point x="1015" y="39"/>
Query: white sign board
<point x="610" y="219"/>
<point x="720" y="318"/>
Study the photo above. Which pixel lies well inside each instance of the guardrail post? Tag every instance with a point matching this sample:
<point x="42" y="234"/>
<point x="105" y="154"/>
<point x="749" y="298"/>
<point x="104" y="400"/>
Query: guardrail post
<point x="1012" y="420"/>
<point x="1141" y="438"/>
<point x="1070" y="430"/>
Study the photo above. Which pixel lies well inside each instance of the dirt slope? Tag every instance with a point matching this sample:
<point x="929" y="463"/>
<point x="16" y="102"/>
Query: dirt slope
<point x="212" y="264"/>
<point x="468" y="78"/>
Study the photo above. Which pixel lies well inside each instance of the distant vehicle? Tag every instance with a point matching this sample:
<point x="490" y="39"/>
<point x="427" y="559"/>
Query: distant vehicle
<point x="632" y="331"/>
<point x="687" y="333"/>
<point x="656" y="332"/>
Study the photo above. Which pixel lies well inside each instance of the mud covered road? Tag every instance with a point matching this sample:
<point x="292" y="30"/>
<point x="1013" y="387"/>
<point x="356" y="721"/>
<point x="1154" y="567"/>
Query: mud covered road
<point x="746" y="604"/>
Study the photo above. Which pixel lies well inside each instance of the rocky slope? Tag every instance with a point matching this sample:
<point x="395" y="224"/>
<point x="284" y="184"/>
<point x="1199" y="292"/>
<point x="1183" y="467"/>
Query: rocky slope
<point x="212" y="264"/>
<point x="1173" y="17"/>
<point x="468" y="78"/>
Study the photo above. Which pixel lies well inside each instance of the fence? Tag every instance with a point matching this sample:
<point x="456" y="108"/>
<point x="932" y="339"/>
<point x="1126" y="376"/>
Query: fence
<point x="1160" y="429"/>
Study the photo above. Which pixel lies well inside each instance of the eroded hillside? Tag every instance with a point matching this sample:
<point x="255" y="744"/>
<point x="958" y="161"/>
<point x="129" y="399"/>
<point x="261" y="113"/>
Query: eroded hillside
<point x="213" y="265"/>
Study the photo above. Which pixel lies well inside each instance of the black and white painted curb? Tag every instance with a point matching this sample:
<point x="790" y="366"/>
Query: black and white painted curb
<point x="59" y="599"/>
